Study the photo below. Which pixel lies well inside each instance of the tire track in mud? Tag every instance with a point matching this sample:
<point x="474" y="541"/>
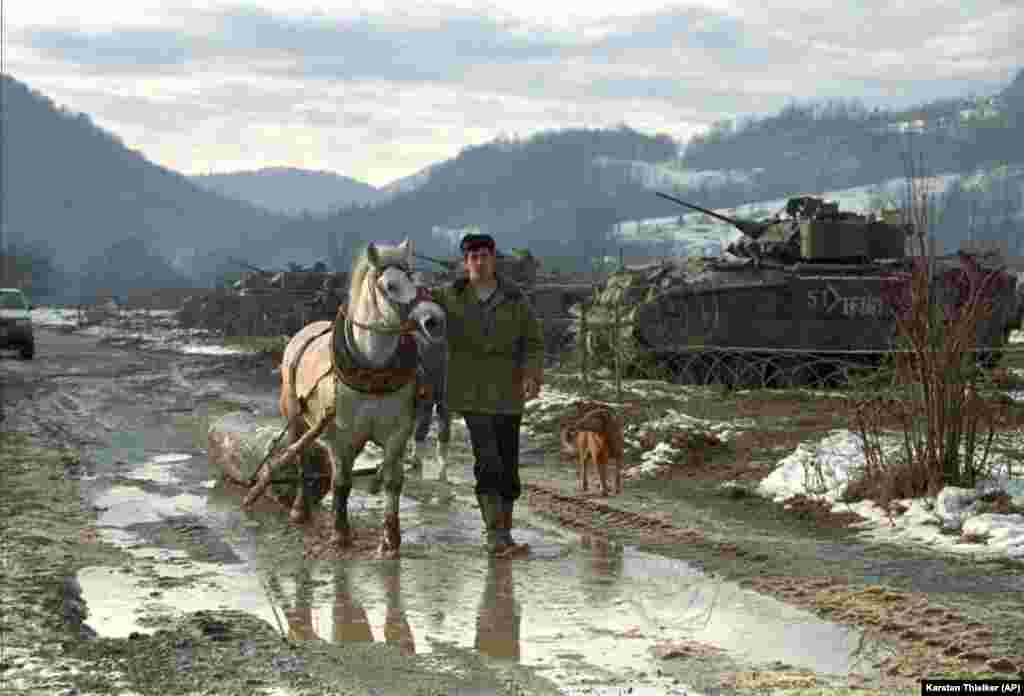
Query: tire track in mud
<point x="926" y="637"/>
<point x="596" y="516"/>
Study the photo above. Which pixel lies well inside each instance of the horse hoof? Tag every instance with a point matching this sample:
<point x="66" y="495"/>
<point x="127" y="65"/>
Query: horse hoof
<point x="387" y="553"/>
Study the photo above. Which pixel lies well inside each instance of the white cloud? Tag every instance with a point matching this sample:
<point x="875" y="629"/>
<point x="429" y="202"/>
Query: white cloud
<point x="378" y="90"/>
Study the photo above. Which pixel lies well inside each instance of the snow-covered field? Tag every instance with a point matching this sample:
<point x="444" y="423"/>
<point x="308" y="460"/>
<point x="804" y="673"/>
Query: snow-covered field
<point x="689" y="231"/>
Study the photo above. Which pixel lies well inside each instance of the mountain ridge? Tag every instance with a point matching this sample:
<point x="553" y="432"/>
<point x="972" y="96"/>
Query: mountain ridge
<point x="76" y="188"/>
<point x="291" y="190"/>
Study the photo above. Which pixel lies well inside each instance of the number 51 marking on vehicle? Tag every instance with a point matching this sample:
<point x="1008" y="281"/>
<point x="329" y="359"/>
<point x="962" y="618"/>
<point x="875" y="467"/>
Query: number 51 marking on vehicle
<point x="828" y="300"/>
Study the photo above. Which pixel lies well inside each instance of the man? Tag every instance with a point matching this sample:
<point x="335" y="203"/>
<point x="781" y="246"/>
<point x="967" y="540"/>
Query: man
<point x="496" y="353"/>
<point x="432" y="370"/>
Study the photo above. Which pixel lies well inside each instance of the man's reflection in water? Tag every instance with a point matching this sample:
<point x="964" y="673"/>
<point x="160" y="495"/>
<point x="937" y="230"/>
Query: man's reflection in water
<point x="497" y="621"/>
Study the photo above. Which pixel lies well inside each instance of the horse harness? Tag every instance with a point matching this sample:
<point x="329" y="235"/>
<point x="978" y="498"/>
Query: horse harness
<point x="369" y="380"/>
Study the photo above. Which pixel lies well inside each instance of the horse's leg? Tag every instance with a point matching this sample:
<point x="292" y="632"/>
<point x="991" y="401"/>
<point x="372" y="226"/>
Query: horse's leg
<point x="393" y="478"/>
<point x="396" y="624"/>
<point x="342" y="452"/>
<point x="300" y="505"/>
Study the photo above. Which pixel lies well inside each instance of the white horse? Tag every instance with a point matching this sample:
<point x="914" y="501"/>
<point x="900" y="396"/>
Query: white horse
<point x="354" y="380"/>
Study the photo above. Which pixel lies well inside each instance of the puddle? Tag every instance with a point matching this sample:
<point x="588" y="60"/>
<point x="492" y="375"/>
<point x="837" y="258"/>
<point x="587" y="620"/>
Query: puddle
<point x="581" y="612"/>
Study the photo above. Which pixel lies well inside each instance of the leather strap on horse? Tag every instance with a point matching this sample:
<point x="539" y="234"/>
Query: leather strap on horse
<point x="373" y="380"/>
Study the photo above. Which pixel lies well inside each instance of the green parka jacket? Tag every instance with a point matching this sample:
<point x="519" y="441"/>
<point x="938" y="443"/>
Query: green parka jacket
<point x="493" y="347"/>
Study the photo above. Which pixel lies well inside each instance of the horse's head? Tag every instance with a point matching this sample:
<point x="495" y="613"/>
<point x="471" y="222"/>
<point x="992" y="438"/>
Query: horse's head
<point x="388" y="268"/>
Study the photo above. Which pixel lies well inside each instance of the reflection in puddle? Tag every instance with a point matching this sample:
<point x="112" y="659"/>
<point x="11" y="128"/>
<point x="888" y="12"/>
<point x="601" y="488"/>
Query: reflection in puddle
<point x="580" y="611"/>
<point x="599" y="612"/>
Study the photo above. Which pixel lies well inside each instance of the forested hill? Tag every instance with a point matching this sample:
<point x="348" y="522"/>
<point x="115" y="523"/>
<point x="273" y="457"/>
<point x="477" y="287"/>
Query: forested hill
<point x="838" y="144"/>
<point x="78" y="192"/>
<point x="552" y="191"/>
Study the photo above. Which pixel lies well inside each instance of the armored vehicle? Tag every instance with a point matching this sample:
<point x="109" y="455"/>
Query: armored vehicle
<point x="795" y="296"/>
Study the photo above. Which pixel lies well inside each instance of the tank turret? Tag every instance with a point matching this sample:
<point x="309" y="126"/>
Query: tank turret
<point x="814" y="230"/>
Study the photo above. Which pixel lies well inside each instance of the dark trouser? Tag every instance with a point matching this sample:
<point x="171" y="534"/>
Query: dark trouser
<point x="495" y="438"/>
<point x="425" y="413"/>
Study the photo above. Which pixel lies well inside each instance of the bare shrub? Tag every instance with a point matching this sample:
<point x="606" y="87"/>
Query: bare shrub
<point x="933" y="392"/>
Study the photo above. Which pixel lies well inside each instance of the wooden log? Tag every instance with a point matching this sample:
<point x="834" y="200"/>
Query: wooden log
<point x="238" y="443"/>
<point x="281" y="459"/>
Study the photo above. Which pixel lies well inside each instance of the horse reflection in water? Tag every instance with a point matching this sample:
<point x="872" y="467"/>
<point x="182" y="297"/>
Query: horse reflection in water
<point x="497" y="621"/>
<point x="350" y="622"/>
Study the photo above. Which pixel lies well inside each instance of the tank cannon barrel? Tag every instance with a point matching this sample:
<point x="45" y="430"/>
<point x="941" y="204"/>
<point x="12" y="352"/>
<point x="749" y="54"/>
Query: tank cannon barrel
<point x="748" y="227"/>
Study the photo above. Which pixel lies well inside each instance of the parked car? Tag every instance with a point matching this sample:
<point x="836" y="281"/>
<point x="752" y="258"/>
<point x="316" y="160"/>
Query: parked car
<point x="16" y="323"/>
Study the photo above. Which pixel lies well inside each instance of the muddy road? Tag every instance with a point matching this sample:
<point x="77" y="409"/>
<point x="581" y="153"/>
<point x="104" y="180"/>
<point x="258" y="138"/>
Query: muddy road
<point x="131" y="567"/>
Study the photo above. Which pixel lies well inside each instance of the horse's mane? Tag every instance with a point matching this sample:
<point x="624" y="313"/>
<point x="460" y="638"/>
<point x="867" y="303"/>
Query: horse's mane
<point x="361" y="267"/>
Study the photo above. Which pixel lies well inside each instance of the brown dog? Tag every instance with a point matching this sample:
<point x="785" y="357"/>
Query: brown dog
<point x="595" y="432"/>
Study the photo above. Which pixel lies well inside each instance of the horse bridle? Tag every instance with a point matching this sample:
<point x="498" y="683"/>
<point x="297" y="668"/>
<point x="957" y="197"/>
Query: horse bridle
<point x="404" y="327"/>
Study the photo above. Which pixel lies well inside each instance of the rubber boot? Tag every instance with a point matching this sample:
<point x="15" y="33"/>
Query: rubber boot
<point x="489" y="511"/>
<point x="506" y="544"/>
<point x="442" y="460"/>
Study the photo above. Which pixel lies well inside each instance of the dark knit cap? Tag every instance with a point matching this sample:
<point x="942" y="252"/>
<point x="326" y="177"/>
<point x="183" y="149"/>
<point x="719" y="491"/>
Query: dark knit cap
<point x="471" y="242"/>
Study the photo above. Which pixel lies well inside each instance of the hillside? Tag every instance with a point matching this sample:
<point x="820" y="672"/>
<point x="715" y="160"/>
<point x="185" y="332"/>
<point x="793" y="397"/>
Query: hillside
<point x="839" y="144"/>
<point x="550" y="192"/>
<point x="291" y="191"/>
<point x="78" y="191"/>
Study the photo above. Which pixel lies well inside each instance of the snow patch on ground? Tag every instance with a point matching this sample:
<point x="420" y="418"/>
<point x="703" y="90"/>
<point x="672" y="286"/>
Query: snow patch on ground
<point x="156" y="329"/>
<point x="952" y="521"/>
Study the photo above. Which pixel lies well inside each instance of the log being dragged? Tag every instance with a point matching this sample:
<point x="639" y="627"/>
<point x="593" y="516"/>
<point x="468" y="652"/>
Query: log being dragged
<point x="279" y="460"/>
<point x="240" y="443"/>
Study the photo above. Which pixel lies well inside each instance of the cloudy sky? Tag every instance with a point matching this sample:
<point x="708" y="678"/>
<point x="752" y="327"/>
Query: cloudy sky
<point x="380" y="89"/>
